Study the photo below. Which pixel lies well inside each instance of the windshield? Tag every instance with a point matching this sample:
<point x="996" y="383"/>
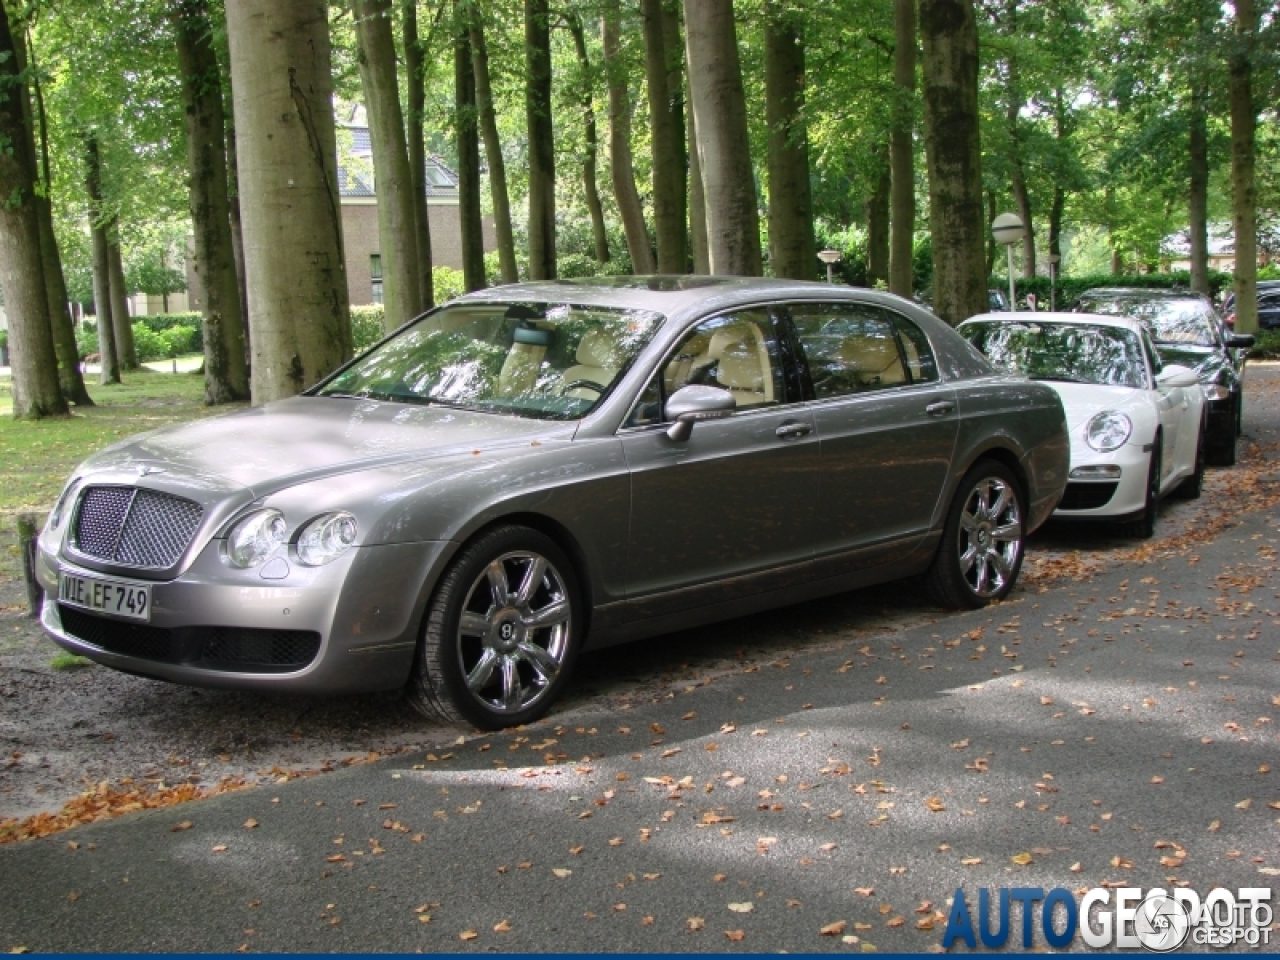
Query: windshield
<point x="1076" y="353"/>
<point x="1181" y="322"/>
<point x="542" y="360"/>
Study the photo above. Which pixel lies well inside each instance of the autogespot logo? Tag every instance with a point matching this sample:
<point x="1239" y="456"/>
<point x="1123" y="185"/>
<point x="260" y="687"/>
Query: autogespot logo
<point x="1121" y="918"/>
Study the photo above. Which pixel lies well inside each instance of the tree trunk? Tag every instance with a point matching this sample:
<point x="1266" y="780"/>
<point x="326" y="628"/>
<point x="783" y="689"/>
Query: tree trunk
<point x="542" y="152"/>
<point x="673" y="43"/>
<point x="397" y="219"/>
<point x="417" y="98"/>
<point x="622" y="171"/>
<point x="233" y="206"/>
<point x="283" y="84"/>
<point x="493" y="150"/>
<point x="950" y="80"/>
<point x="698" y="245"/>
<point x="902" y="151"/>
<point x="1244" y="190"/>
<point x="467" y="140"/>
<point x="34" y="359"/>
<point x="1017" y="171"/>
<point x="878" y="229"/>
<point x="70" y="379"/>
<point x="226" y="372"/>
<point x="1056" y="210"/>
<point x="109" y="363"/>
<point x="720" y="110"/>
<point x="121" y="322"/>
<point x="590" y="187"/>
<point x="792" y="249"/>
<point x="665" y="119"/>
<point x="1198" y="190"/>
<point x="991" y="240"/>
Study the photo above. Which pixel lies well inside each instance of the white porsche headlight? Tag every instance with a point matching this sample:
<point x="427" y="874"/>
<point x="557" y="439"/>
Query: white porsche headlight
<point x="326" y="538"/>
<point x="1108" y="431"/>
<point x="255" y="538"/>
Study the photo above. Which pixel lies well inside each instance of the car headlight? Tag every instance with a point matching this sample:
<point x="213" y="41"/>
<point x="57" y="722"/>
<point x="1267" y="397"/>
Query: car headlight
<point x="255" y="538"/>
<point x="326" y="538"/>
<point x="1108" y="431"/>
<point x="1214" y="391"/>
<point x="60" y="508"/>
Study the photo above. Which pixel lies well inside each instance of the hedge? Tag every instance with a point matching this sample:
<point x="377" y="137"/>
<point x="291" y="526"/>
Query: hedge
<point x="1071" y="287"/>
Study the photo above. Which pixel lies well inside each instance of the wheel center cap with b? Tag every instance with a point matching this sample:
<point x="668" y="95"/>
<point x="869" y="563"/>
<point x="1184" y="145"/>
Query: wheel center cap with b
<point x="984" y="535"/>
<point x="507" y="634"/>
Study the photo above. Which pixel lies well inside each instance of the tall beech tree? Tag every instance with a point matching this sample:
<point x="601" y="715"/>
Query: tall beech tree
<point x="121" y="323"/>
<point x="467" y="141"/>
<point x="666" y="134"/>
<point x="591" y="148"/>
<point x="36" y="391"/>
<point x="415" y="112"/>
<point x="1244" y="188"/>
<point x="957" y="227"/>
<point x="902" y="200"/>
<point x="720" y="111"/>
<point x="70" y="378"/>
<point x="542" y="150"/>
<point x="792" y="251"/>
<point x="109" y="362"/>
<point x="397" y="218"/>
<point x="286" y="147"/>
<point x="621" y="165"/>
<point x="698" y="246"/>
<point x="226" y="370"/>
<point x="498" y="190"/>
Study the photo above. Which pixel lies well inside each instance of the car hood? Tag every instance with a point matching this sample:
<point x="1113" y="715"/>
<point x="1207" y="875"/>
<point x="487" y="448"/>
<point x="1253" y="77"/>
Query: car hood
<point x="307" y="438"/>
<point x="1082" y="401"/>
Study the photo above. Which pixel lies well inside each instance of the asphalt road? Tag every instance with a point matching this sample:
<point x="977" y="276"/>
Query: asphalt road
<point x="1090" y="729"/>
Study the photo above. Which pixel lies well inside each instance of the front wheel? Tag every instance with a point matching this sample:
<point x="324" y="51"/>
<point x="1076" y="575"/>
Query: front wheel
<point x="981" y="550"/>
<point x="501" y="632"/>
<point x="1144" y="526"/>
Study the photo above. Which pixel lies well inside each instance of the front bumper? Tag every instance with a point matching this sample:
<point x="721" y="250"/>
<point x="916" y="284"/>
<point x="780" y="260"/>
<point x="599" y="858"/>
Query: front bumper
<point x="1088" y="497"/>
<point x="365" y="608"/>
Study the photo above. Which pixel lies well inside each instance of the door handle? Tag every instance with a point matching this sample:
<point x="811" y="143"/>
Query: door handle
<point x="939" y="408"/>
<point x="793" y="429"/>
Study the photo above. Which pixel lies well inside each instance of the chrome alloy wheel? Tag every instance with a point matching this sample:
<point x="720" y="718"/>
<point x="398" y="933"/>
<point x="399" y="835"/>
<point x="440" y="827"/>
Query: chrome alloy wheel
<point x="514" y="632"/>
<point x="990" y="536"/>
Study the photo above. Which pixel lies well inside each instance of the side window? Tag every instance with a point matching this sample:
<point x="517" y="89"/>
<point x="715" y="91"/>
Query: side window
<point x="738" y="353"/>
<point x="850" y="348"/>
<point x="915" y="346"/>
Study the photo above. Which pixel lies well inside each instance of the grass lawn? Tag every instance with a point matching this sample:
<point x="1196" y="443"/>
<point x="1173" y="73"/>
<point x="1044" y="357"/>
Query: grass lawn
<point x="37" y="457"/>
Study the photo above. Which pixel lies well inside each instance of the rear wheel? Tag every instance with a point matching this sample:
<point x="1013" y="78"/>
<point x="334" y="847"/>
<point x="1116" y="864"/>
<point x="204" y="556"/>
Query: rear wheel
<point x="1222" y="452"/>
<point x="501" y="632"/>
<point x="1144" y="526"/>
<point x="981" y="550"/>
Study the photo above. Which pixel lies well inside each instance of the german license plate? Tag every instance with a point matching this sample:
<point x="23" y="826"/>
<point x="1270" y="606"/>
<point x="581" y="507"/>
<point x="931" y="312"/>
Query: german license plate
<point x="128" y="600"/>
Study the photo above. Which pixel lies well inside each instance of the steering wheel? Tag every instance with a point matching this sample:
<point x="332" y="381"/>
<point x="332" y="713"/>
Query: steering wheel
<point x="599" y="388"/>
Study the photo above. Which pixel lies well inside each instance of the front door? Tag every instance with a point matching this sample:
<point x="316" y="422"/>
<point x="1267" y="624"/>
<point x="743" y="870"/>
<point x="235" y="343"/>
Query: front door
<point x="725" y="513"/>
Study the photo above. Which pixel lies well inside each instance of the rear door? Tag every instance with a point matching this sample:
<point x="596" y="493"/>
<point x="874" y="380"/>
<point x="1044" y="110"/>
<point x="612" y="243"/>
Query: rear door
<point x="887" y="427"/>
<point x="731" y="510"/>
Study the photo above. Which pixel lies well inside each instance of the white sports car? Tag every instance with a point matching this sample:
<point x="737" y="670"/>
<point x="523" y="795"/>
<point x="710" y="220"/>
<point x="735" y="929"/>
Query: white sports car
<point x="1136" y="425"/>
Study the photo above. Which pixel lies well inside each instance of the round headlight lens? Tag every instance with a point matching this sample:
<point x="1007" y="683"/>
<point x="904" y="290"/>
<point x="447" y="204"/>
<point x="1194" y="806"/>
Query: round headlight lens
<point x="255" y="538"/>
<point x="326" y="538"/>
<point x="1108" y="431"/>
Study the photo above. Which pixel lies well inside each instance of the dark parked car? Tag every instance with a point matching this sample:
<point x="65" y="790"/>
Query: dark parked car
<point x="543" y="468"/>
<point x="1268" y="290"/>
<point x="1186" y="330"/>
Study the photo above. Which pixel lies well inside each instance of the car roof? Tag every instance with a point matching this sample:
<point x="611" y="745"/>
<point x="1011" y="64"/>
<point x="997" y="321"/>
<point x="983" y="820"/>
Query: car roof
<point x="1143" y="293"/>
<point x="1066" y="319"/>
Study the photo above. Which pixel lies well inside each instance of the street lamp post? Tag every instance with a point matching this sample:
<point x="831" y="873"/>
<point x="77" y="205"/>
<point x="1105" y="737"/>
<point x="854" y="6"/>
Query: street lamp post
<point x="1053" y="282"/>
<point x="1008" y="230"/>
<point x="830" y="258"/>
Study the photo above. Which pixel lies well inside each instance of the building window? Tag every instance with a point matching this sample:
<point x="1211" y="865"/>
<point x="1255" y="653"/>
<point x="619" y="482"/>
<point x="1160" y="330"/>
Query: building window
<point x="375" y="274"/>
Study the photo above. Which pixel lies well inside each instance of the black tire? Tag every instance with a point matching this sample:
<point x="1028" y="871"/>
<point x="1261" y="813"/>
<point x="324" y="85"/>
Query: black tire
<point x="1193" y="486"/>
<point x="950" y="582"/>
<point x="1143" y="527"/>
<point x="1222" y="452"/>
<point x="1240" y="412"/>
<point x="507" y="651"/>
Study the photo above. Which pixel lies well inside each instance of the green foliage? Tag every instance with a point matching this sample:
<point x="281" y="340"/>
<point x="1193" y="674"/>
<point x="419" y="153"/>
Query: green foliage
<point x="86" y="339"/>
<point x="62" y="660"/>
<point x="1266" y="345"/>
<point x="4" y="339"/>
<point x="367" y="326"/>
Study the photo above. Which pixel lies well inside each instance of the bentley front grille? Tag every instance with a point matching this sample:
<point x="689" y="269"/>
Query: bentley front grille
<point x="135" y="527"/>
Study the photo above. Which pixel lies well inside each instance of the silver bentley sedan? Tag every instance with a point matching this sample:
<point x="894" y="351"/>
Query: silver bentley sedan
<point x="541" y="469"/>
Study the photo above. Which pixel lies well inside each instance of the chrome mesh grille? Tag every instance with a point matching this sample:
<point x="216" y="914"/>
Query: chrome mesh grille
<point x="137" y="528"/>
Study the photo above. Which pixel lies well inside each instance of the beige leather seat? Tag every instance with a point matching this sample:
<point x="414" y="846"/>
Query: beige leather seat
<point x="873" y="361"/>
<point x="519" y="374"/>
<point x="742" y="364"/>
<point x="599" y="358"/>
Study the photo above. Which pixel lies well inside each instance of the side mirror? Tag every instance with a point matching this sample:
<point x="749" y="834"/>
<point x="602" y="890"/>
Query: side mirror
<point x="1240" y="341"/>
<point x="690" y="404"/>
<point x="1176" y="375"/>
